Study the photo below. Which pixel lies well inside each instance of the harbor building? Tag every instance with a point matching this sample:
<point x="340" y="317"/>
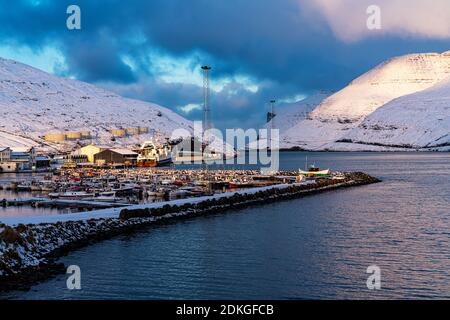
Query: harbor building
<point x="6" y="165"/>
<point x="116" y="157"/>
<point x="42" y="162"/>
<point x="24" y="157"/>
<point x="90" y="151"/>
<point x="5" y="154"/>
<point x="17" y="159"/>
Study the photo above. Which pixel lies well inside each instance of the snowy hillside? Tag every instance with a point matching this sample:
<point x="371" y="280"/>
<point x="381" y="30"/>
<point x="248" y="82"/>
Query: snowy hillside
<point x="420" y="120"/>
<point x="333" y="119"/>
<point x="34" y="103"/>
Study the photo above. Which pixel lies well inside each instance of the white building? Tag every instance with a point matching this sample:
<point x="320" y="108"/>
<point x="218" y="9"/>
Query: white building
<point x="17" y="159"/>
<point x="5" y="154"/>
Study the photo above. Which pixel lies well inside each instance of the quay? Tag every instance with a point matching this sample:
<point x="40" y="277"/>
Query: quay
<point x="60" y="203"/>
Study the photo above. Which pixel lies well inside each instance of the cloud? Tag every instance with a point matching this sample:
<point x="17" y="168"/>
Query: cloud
<point x="259" y="49"/>
<point x="405" y="18"/>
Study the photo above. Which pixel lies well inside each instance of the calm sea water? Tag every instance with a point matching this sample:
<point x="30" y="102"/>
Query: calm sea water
<point x="315" y="247"/>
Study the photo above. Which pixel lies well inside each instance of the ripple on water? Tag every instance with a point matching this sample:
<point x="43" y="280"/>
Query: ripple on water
<point x="315" y="247"/>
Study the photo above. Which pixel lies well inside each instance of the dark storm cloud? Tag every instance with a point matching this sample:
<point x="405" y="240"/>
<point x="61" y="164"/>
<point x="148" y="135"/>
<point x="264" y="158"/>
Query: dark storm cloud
<point x="286" y="46"/>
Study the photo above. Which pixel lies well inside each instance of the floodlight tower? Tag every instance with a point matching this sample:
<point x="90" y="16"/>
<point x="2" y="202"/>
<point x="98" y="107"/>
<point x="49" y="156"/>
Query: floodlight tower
<point x="206" y="114"/>
<point x="272" y="113"/>
<point x="272" y="119"/>
<point x="206" y="103"/>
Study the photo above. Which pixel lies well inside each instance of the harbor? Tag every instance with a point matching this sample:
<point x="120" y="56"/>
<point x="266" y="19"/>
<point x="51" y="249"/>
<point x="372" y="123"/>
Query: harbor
<point x="85" y="189"/>
<point x="41" y="239"/>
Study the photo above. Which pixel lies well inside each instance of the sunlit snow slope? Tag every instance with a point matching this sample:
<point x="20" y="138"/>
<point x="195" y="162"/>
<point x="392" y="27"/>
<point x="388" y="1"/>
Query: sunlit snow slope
<point x="337" y="115"/>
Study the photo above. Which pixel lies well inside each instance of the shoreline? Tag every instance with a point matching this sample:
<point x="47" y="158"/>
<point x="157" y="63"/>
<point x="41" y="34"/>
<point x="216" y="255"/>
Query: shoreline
<point x="29" y="252"/>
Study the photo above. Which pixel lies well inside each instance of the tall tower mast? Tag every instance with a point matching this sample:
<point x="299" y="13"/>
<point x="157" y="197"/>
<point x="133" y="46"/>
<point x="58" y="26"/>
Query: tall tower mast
<point x="272" y="112"/>
<point x="206" y="113"/>
<point x="272" y="119"/>
<point x="206" y="103"/>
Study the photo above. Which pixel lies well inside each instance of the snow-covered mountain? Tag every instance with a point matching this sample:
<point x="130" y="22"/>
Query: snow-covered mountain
<point x="420" y="120"/>
<point x="34" y="103"/>
<point x="336" y="116"/>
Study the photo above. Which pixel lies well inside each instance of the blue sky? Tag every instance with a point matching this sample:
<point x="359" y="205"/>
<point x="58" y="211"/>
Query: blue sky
<point x="259" y="49"/>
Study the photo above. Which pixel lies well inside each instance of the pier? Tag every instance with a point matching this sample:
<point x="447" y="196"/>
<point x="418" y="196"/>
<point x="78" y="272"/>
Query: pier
<point x="60" y="203"/>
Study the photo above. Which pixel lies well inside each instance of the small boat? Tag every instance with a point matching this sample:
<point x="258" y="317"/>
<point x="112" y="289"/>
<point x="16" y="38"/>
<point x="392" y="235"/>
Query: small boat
<point x="240" y="184"/>
<point x="180" y="193"/>
<point x="35" y="187"/>
<point x="70" y="195"/>
<point x="151" y="193"/>
<point x="47" y="187"/>
<point x="107" y="196"/>
<point x="194" y="190"/>
<point x="24" y="186"/>
<point x="124" y="189"/>
<point x="314" y="171"/>
<point x="166" y="181"/>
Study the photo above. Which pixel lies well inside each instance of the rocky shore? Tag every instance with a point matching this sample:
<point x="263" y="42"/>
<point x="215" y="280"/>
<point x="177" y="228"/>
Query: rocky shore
<point x="28" y="253"/>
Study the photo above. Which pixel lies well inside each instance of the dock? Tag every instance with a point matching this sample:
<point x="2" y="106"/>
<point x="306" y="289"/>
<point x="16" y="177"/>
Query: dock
<point x="60" y="203"/>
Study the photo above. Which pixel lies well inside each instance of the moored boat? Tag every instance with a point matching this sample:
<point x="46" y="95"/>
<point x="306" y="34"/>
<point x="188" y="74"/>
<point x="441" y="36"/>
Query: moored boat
<point x="151" y="155"/>
<point x="314" y="171"/>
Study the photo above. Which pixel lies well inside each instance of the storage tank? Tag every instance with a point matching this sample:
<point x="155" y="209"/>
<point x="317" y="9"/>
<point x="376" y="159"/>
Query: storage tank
<point x="73" y="135"/>
<point x="118" y="132"/>
<point x="143" y="130"/>
<point x="55" y="137"/>
<point x="132" y="131"/>
<point x="85" y="134"/>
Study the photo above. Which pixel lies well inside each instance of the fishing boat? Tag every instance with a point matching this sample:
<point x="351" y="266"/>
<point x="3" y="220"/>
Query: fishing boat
<point x="314" y="171"/>
<point x="151" y="155"/>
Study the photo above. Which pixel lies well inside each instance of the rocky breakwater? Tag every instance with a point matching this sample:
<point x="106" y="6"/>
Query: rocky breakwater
<point x="28" y="253"/>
